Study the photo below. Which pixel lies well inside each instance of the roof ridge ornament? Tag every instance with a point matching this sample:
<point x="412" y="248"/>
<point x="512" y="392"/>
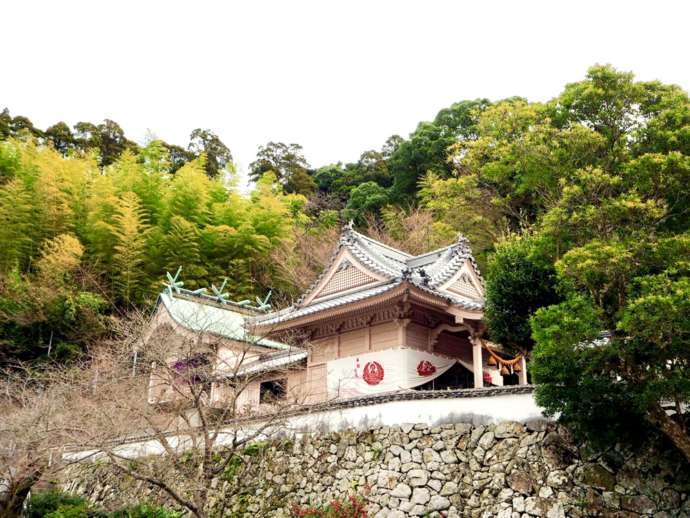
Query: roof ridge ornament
<point x="463" y="244"/>
<point x="424" y="276"/>
<point x="221" y="296"/>
<point x="263" y="305"/>
<point x="173" y="284"/>
<point x="464" y="248"/>
<point x="347" y="235"/>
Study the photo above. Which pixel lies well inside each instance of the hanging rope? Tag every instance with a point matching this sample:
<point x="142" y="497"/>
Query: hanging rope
<point x="506" y="365"/>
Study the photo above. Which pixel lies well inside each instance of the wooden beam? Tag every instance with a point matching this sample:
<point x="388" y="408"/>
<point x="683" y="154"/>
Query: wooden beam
<point x="436" y="331"/>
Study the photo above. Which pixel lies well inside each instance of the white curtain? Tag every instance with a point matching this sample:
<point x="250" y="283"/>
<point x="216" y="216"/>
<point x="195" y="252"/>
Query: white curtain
<point x="383" y="371"/>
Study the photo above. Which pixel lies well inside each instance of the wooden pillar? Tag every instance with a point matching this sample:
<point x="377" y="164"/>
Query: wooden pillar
<point x="477" y="363"/>
<point x="367" y="337"/>
<point x="402" y="324"/>
<point x="522" y="375"/>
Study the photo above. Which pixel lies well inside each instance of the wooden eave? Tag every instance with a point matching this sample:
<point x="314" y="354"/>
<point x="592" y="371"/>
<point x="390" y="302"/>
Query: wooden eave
<point x="406" y="291"/>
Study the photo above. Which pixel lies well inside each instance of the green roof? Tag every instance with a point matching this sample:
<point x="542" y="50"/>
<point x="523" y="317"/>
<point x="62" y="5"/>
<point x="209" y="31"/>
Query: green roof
<point x="220" y="320"/>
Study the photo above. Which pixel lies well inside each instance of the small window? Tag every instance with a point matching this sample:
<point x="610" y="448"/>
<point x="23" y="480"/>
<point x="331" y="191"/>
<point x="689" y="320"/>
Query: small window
<point x="274" y="390"/>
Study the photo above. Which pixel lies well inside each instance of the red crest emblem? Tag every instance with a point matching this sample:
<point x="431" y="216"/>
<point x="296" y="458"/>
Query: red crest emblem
<point x="373" y="373"/>
<point x="425" y="368"/>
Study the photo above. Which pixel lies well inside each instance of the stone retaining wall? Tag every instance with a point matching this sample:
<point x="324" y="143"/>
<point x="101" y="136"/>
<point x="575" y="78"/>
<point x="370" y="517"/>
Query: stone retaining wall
<point x="506" y="470"/>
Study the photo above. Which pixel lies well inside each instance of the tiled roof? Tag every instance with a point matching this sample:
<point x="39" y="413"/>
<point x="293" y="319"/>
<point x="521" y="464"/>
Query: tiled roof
<point x="294" y="312"/>
<point x="337" y="300"/>
<point x="272" y="362"/>
<point x="427" y="271"/>
<point x="438" y="265"/>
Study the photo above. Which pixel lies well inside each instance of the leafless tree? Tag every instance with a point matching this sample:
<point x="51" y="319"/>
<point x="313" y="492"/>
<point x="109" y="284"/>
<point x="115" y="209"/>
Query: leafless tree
<point x="302" y="260"/>
<point x="161" y="404"/>
<point x="35" y="417"/>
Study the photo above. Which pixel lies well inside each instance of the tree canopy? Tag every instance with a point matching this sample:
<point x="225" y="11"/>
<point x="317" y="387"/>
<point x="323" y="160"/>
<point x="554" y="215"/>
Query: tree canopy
<point x="80" y="240"/>
<point x="577" y="208"/>
<point x="600" y="193"/>
<point x="288" y="165"/>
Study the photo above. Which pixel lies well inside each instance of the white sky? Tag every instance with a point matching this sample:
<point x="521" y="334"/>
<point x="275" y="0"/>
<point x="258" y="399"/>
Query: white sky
<point x="338" y="77"/>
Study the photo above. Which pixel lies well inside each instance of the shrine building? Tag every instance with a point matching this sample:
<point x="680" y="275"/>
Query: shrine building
<point x="376" y="321"/>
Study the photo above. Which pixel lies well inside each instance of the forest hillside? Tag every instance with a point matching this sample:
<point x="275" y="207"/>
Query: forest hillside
<point x="578" y="210"/>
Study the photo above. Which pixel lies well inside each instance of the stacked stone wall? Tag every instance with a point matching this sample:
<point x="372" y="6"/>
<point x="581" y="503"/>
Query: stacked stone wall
<point x="506" y="470"/>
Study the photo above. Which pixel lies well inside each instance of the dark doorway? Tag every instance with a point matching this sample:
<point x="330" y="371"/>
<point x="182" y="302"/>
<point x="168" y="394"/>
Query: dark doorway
<point x="457" y="377"/>
<point x="274" y="390"/>
<point x="511" y="379"/>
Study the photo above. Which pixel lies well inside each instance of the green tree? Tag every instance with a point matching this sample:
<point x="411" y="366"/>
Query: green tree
<point x="61" y="138"/>
<point x="18" y="127"/>
<point x="130" y="251"/>
<point x="178" y="156"/>
<point x="218" y="155"/>
<point x="366" y="199"/>
<point x="5" y="124"/>
<point x="287" y="163"/>
<point x="181" y="248"/>
<point x="427" y="149"/>
<point x="599" y="178"/>
<point x="518" y="283"/>
<point x="604" y="388"/>
<point x="17" y="225"/>
<point x="107" y="139"/>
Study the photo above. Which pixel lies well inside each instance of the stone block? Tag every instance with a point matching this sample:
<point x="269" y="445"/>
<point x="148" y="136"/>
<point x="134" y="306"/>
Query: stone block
<point x="508" y="429"/>
<point x="437" y="503"/>
<point x="417" y="477"/>
<point x="449" y="488"/>
<point x="401" y="491"/>
<point x="420" y="495"/>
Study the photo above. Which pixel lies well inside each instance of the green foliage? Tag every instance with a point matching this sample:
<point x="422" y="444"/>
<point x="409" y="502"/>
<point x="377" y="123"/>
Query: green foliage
<point x="232" y="469"/>
<point x="518" y="284"/>
<point x="108" y="142"/>
<point x="79" y="242"/>
<point x="61" y="138"/>
<point x="59" y="504"/>
<point x="287" y="163"/>
<point x="145" y="511"/>
<point x="56" y="504"/>
<point x="617" y="236"/>
<point x="365" y="199"/>
<point x="130" y="251"/>
<point x="203" y="142"/>
<point x="108" y="139"/>
<point x="427" y="149"/>
<point x="573" y="374"/>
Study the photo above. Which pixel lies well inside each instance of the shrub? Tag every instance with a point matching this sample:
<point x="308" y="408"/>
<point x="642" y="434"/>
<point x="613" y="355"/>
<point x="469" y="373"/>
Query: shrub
<point x="60" y="504"/>
<point x="45" y="503"/>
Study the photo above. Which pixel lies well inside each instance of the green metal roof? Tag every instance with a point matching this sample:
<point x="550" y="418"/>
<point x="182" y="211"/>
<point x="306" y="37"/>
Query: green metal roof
<point x="210" y="318"/>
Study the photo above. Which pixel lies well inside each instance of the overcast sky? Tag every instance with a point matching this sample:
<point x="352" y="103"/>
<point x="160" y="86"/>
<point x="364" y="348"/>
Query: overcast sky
<point x="338" y="77"/>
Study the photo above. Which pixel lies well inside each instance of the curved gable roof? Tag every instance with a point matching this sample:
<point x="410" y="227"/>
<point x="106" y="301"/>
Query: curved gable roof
<point x="430" y="272"/>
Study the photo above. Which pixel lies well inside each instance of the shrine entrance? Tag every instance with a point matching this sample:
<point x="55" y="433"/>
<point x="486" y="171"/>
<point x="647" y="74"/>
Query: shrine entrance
<point x="457" y="377"/>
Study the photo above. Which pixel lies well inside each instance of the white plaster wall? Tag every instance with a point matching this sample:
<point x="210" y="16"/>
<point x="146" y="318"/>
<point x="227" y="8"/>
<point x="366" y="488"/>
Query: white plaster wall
<point x="432" y="412"/>
<point x="475" y="410"/>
